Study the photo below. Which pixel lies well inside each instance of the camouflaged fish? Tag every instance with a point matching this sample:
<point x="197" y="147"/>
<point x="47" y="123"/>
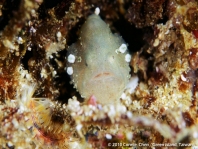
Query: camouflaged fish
<point x="98" y="62"/>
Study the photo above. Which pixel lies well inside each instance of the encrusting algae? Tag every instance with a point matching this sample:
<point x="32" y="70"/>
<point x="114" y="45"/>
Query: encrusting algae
<point x="48" y="48"/>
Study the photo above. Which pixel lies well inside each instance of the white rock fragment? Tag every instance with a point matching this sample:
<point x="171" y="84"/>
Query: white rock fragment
<point x="123" y="96"/>
<point x="183" y="78"/>
<point x="120" y="108"/>
<point x="54" y="73"/>
<point x="21" y="109"/>
<point x="128" y="58"/>
<point x="129" y="136"/>
<point x="156" y="43"/>
<point x="28" y="140"/>
<point x="58" y="34"/>
<point x="24" y="73"/>
<point x="97" y="11"/>
<point x="74" y="145"/>
<point x="8" y="44"/>
<point x="157" y="69"/>
<point x="137" y="105"/>
<point x="78" y="127"/>
<point x="71" y="58"/>
<point x="69" y="70"/>
<point x="28" y="76"/>
<point x="167" y="32"/>
<point x="32" y="30"/>
<point x="29" y="23"/>
<point x="33" y="11"/>
<point x="108" y="136"/>
<point x="195" y="134"/>
<point x="43" y="73"/>
<point x="10" y="144"/>
<point x="133" y="83"/>
<point x="51" y="56"/>
<point x="20" y="40"/>
<point x="29" y="48"/>
<point x="15" y="123"/>
<point x="73" y="105"/>
<point x="112" y="111"/>
<point x="99" y="106"/>
<point x="129" y="114"/>
<point x="122" y="48"/>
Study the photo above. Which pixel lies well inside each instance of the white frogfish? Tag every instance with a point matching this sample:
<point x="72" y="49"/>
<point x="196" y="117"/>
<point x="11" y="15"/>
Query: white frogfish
<point x="98" y="62"/>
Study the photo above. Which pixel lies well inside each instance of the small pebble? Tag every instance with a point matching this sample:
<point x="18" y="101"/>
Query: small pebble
<point x="108" y="136"/>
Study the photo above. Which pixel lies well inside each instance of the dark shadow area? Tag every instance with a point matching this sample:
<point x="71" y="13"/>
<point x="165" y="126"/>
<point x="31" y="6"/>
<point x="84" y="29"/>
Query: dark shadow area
<point x="9" y="7"/>
<point x="25" y="59"/>
<point x="132" y="36"/>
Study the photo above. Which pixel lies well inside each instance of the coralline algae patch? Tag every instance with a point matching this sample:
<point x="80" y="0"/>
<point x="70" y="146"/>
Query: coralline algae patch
<point x="98" y="62"/>
<point x="14" y="127"/>
<point x="172" y="82"/>
<point x="180" y="75"/>
<point x="52" y="127"/>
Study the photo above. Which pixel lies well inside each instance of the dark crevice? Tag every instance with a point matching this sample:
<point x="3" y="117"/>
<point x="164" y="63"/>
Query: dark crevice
<point x="9" y="7"/>
<point x="132" y="35"/>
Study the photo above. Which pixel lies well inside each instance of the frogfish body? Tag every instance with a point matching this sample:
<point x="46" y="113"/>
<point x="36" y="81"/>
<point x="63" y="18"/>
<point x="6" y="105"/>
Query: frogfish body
<point x="98" y="62"/>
